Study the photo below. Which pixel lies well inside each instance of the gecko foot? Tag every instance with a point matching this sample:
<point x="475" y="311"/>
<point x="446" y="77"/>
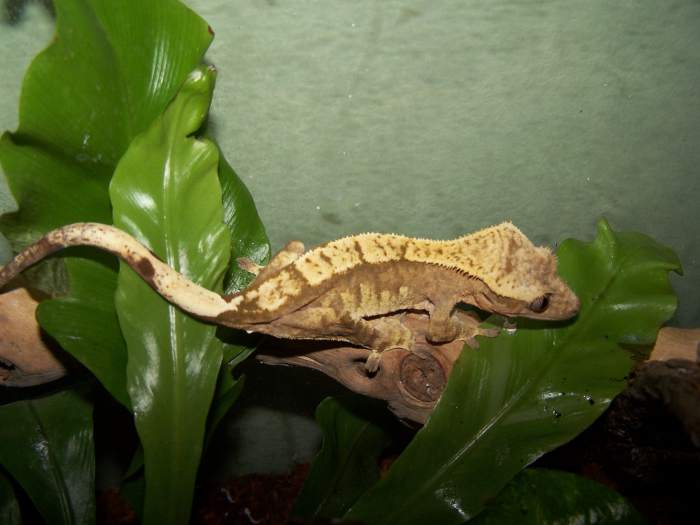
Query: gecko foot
<point x="250" y="266"/>
<point x="372" y="363"/>
<point x="471" y="340"/>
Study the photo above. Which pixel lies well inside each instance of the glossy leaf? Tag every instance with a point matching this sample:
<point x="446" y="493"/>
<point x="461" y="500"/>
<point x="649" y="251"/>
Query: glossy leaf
<point x="521" y="395"/>
<point x="108" y="73"/>
<point x="248" y="237"/>
<point x="85" y="323"/>
<point x="347" y="464"/>
<point x="166" y="193"/>
<point x="228" y="389"/>
<point x="47" y="447"/>
<point x="9" y="508"/>
<point x="38" y="177"/>
<point x="133" y="491"/>
<point x="551" y="497"/>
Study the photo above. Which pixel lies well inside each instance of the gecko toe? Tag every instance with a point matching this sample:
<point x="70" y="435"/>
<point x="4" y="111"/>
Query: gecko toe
<point x="489" y="332"/>
<point x="372" y="363"/>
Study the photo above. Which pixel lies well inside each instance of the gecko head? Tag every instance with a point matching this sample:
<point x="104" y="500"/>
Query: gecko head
<point x="522" y="280"/>
<point x="545" y="297"/>
<point x="553" y="300"/>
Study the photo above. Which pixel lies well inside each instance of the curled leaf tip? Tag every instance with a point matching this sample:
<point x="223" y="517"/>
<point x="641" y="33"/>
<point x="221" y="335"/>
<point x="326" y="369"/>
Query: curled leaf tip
<point x="605" y="232"/>
<point x="603" y="224"/>
<point x="201" y="79"/>
<point x="194" y="98"/>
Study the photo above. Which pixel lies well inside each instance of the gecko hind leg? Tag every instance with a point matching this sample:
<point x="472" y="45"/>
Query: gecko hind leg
<point x="373" y="360"/>
<point x="323" y="323"/>
<point x="447" y="325"/>
<point x="286" y="256"/>
<point x="249" y="265"/>
<point x="381" y="334"/>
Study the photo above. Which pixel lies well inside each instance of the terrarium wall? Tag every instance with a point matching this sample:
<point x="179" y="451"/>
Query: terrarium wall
<point x="434" y="119"/>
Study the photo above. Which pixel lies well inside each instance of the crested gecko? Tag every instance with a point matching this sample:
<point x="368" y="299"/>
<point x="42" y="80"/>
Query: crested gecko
<point x="344" y="290"/>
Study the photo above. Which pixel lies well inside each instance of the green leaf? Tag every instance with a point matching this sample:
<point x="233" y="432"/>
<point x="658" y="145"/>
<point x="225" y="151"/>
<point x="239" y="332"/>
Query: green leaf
<point x="108" y="73"/>
<point x="166" y="193"/>
<point x="551" y="497"/>
<point x="86" y="325"/>
<point x="133" y="491"/>
<point x="47" y="447"/>
<point x="228" y="389"/>
<point x="248" y="237"/>
<point x="9" y="508"/>
<point x="347" y="464"/>
<point x="135" y="465"/>
<point x="521" y="395"/>
<point x="622" y="281"/>
<point x="39" y="177"/>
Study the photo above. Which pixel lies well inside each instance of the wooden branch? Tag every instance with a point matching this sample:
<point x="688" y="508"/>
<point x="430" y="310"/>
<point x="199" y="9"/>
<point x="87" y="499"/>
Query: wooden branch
<point x="410" y="382"/>
<point x="677" y="343"/>
<point x="25" y="360"/>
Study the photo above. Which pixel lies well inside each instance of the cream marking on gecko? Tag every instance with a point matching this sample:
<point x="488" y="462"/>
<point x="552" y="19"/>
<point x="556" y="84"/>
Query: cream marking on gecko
<point x="332" y="291"/>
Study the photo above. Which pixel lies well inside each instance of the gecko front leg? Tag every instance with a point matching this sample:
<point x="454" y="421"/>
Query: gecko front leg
<point x="442" y="327"/>
<point x="447" y="324"/>
<point x="469" y="324"/>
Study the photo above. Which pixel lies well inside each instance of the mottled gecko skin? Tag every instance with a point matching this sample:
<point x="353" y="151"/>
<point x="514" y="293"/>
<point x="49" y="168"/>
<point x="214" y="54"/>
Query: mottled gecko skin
<point x="341" y="290"/>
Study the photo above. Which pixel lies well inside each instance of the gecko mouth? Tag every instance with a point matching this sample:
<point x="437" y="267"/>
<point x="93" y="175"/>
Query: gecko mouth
<point x="485" y="303"/>
<point x="6" y="365"/>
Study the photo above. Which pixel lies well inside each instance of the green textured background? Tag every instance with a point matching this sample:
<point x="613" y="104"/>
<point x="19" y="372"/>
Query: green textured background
<point x="437" y="118"/>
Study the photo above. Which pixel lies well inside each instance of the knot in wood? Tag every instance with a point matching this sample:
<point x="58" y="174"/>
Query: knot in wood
<point x="422" y="377"/>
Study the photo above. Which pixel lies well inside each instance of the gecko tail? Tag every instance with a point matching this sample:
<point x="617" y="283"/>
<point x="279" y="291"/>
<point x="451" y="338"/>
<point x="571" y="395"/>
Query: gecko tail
<point x="168" y="283"/>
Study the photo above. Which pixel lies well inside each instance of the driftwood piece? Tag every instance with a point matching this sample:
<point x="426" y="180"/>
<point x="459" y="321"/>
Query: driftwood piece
<point x="25" y="360"/>
<point x="672" y="375"/>
<point x="677" y="343"/>
<point x="411" y="382"/>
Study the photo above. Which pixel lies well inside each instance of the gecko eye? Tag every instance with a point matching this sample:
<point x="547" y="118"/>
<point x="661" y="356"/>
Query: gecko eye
<point x="540" y="304"/>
